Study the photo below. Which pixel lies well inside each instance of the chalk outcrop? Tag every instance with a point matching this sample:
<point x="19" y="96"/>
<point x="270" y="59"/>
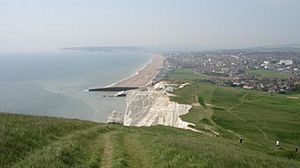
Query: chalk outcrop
<point x="115" y="118"/>
<point x="152" y="106"/>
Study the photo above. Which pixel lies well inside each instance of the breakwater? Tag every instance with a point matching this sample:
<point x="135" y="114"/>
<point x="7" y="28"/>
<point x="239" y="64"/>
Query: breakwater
<point x="112" y="89"/>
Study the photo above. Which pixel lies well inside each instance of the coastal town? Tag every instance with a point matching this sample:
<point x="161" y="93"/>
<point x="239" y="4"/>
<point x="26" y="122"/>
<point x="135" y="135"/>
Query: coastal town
<point x="271" y="71"/>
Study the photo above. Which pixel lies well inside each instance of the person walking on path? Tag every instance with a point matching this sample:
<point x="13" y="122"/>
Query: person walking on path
<point x="277" y="143"/>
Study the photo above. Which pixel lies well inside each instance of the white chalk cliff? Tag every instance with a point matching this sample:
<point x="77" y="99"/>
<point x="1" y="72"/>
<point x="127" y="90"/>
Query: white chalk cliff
<point x="152" y="106"/>
<point x="115" y="118"/>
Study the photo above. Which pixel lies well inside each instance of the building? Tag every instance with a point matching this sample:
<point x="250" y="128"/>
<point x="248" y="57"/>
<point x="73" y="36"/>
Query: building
<point x="285" y="62"/>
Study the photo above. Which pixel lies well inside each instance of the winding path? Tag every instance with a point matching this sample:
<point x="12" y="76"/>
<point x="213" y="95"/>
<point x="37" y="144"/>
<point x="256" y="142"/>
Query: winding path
<point x="107" y="152"/>
<point x="229" y="110"/>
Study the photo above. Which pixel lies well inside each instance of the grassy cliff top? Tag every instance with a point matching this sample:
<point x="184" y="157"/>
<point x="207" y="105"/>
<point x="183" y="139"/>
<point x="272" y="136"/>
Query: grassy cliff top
<point x="28" y="141"/>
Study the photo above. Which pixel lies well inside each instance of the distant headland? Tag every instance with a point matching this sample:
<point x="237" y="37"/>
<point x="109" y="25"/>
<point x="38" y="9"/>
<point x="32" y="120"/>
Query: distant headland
<point x="103" y="49"/>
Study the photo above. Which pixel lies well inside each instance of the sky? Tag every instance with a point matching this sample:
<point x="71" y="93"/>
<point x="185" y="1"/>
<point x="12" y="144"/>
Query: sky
<point x="44" y="25"/>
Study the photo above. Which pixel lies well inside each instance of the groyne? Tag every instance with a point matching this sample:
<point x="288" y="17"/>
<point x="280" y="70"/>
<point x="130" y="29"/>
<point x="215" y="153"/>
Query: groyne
<point x="112" y="89"/>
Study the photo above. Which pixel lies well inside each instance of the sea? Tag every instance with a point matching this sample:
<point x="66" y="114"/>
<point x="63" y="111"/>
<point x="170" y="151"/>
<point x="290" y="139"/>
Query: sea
<point x="56" y="84"/>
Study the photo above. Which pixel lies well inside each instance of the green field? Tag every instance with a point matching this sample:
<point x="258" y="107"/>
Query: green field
<point x="52" y="142"/>
<point x="186" y="75"/>
<point x="269" y="74"/>
<point x="260" y="118"/>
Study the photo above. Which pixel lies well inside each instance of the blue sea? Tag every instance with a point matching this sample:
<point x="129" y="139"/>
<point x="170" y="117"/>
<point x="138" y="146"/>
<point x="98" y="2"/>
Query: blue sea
<point x="55" y="84"/>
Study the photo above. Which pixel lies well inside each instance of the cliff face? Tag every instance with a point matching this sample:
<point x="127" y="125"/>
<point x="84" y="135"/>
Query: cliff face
<point x="152" y="106"/>
<point x="115" y="118"/>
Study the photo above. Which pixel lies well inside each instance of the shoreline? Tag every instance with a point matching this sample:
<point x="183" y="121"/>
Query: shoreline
<point x="130" y="76"/>
<point x="143" y="76"/>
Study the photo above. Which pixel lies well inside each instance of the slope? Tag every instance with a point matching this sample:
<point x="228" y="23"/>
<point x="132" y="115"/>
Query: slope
<point x="28" y="141"/>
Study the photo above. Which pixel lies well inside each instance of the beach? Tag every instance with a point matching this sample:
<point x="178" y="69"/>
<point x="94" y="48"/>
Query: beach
<point x="145" y="75"/>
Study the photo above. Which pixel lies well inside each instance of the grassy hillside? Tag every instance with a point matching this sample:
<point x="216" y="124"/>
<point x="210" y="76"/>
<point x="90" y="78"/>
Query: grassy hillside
<point x="260" y="118"/>
<point x="26" y="140"/>
<point x="52" y="142"/>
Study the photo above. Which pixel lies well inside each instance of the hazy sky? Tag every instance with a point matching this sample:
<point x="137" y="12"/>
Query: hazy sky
<point x="38" y="25"/>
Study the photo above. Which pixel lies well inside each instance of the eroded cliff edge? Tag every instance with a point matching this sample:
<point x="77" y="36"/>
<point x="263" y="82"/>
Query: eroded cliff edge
<point x="152" y="106"/>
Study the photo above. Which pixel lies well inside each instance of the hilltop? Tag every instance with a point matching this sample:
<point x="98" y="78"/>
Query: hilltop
<point x="28" y="141"/>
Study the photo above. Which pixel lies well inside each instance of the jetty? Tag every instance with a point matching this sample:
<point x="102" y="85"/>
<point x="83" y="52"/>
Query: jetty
<point x="112" y="89"/>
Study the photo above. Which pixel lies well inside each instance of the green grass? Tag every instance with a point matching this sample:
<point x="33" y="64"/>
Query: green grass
<point x="269" y="74"/>
<point x="27" y="141"/>
<point x="88" y="144"/>
<point x="259" y="117"/>
<point x="201" y="101"/>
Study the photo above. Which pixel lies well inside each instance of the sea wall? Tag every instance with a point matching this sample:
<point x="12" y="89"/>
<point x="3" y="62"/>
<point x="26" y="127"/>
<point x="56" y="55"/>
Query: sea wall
<point x="152" y="106"/>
